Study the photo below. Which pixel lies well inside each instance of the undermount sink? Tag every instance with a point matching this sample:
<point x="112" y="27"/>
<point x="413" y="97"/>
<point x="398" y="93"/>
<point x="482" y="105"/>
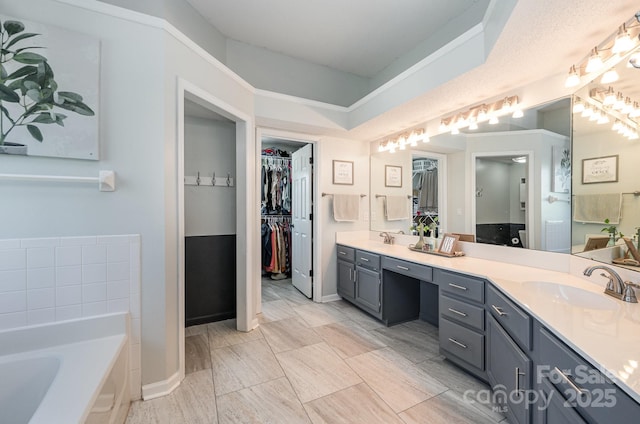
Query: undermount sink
<point x="570" y="295"/>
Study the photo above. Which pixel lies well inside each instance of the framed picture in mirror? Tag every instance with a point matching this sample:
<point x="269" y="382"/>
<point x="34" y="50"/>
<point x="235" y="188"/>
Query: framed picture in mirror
<point x="600" y="170"/>
<point x="594" y="243"/>
<point x="392" y="176"/>
<point x="632" y="249"/>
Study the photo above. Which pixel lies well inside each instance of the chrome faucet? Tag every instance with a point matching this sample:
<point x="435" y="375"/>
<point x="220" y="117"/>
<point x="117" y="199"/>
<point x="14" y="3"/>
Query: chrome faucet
<point x="616" y="287"/>
<point x="388" y="239"/>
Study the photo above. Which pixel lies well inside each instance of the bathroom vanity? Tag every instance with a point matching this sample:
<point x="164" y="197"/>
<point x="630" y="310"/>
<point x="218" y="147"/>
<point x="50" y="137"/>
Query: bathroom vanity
<point x="552" y="346"/>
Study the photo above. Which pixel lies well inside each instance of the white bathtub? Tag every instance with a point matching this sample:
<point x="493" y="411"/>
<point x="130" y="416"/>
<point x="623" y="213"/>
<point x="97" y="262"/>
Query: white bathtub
<point x="66" y="372"/>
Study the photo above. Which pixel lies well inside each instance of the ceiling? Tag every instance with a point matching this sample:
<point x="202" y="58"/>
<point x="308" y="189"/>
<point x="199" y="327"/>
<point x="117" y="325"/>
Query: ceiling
<point x="541" y="40"/>
<point x="357" y="36"/>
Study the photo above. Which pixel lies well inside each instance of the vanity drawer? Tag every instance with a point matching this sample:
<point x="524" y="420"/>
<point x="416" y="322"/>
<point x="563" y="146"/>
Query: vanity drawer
<point x="421" y="272"/>
<point x="462" y="343"/>
<point x="460" y="285"/>
<point x="456" y="310"/>
<point x="511" y="317"/>
<point x="346" y="253"/>
<point x="601" y="400"/>
<point x="368" y="260"/>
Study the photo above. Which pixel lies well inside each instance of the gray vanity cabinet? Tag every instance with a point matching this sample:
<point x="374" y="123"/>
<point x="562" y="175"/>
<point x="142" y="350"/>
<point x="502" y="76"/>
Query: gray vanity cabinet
<point x="580" y="390"/>
<point x="553" y="409"/>
<point x="346" y="273"/>
<point x="509" y="364"/>
<point x="368" y="288"/>
<point x="462" y="324"/>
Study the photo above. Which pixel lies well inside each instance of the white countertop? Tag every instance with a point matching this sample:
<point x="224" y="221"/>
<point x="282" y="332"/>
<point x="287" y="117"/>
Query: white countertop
<point x="604" y="330"/>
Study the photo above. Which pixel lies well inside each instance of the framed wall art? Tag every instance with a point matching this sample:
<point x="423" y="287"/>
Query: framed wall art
<point x="600" y="170"/>
<point x="392" y="176"/>
<point x="343" y="172"/>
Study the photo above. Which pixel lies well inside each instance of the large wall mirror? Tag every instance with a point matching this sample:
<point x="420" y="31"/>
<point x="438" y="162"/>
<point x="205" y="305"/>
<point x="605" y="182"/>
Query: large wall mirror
<point x="508" y="183"/>
<point x="606" y="157"/>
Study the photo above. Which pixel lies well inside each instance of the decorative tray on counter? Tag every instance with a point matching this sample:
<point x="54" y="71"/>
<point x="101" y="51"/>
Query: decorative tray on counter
<point x="436" y="252"/>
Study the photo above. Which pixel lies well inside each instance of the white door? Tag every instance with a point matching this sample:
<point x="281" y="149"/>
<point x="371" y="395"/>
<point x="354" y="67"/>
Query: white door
<point x="302" y="171"/>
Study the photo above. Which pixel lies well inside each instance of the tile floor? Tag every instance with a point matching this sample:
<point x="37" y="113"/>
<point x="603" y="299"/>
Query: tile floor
<point x="316" y="363"/>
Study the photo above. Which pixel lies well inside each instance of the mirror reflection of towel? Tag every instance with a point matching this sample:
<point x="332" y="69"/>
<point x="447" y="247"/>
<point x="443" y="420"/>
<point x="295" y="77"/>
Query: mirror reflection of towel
<point x="396" y="208"/>
<point x="595" y="208"/>
<point x="346" y="207"/>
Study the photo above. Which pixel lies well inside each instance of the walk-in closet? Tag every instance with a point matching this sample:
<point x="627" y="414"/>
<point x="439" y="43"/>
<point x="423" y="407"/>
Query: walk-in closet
<point x="286" y="199"/>
<point x="210" y="215"/>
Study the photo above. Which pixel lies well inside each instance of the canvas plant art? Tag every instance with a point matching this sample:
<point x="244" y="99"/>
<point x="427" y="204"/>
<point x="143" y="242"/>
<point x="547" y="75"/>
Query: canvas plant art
<point x="29" y="94"/>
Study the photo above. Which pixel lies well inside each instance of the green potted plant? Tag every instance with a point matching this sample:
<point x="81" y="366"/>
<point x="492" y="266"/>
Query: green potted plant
<point x="614" y="234"/>
<point x="29" y="95"/>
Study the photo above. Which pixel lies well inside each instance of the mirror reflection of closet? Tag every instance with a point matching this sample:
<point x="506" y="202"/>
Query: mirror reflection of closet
<point x="425" y="191"/>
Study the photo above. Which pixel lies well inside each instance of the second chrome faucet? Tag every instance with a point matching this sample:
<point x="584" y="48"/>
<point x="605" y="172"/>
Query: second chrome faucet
<point x="616" y="286"/>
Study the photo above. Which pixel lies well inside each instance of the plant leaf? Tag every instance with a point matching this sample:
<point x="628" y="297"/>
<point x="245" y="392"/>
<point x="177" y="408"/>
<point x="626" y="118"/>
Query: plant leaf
<point x="77" y="107"/>
<point x="29" y="58"/>
<point x="20" y="37"/>
<point x="8" y="95"/>
<point x="13" y="27"/>
<point x="3" y="72"/>
<point x="68" y="95"/>
<point x="31" y="85"/>
<point x="6" y="113"/>
<point x="43" y="118"/>
<point x="21" y="49"/>
<point x="35" y="132"/>
<point x="21" y="72"/>
<point x="34" y="95"/>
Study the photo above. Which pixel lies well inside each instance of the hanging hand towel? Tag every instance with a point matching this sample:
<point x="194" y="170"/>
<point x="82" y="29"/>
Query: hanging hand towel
<point x="595" y="208"/>
<point x="396" y="208"/>
<point x="346" y="207"/>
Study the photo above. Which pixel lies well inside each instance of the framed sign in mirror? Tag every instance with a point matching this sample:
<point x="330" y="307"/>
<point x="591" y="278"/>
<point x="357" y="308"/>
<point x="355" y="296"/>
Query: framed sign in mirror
<point x="600" y="170"/>
<point x="392" y="176"/>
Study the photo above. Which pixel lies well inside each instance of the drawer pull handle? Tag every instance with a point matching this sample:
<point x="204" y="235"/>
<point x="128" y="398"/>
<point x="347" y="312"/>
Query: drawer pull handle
<point x="457" y="312"/>
<point x="402" y="267"/>
<point x="343" y="253"/>
<point x="455" y="286"/>
<point x="570" y="381"/>
<point x="364" y="259"/>
<point x="518" y="374"/>
<point x="498" y="310"/>
<point x="454" y="341"/>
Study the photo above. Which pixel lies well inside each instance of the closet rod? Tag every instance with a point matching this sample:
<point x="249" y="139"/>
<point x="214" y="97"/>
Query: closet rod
<point x="331" y="194"/>
<point x="385" y="196"/>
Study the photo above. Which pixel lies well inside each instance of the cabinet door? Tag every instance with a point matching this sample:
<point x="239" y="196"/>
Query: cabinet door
<point x="368" y="290"/>
<point x="509" y="372"/>
<point x="552" y="408"/>
<point x="346" y="280"/>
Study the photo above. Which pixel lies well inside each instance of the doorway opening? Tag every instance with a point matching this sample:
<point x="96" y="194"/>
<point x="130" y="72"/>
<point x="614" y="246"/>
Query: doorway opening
<point x="286" y="217"/>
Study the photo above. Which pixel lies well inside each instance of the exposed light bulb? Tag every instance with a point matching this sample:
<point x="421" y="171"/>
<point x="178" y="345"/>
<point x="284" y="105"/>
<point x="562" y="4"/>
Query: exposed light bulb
<point x="610" y="76"/>
<point x="595" y="62"/>
<point x="494" y="120"/>
<point x="506" y="105"/>
<point x="381" y="147"/>
<point x="616" y="126"/>
<point x="619" y="103"/>
<point x="473" y="125"/>
<point x="609" y="97"/>
<point x="595" y="115"/>
<point x="455" y="131"/>
<point x="603" y="119"/>
<point x="482" y="113"/>
<point x="635" y="113"/>
<point x="628" y="106"/>
<point x="426" y="139"/>
<point x="578" y="106"/>
<point x="443" y="125"/>
<point x="517" y="113"/>
<point x="573" y="79"/>
<point x="587" y="112"/>
<point x="623" y="41"/>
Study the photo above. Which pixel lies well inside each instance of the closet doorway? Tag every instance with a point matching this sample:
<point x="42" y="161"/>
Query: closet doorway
<point x="286" y="216"/>
<point x="429" y="190"/>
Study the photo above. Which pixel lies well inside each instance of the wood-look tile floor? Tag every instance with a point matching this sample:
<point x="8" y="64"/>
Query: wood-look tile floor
<point x="316" y="363"/>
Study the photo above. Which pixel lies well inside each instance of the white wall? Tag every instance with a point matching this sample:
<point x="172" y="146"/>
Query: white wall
<point x="458" y="208"/>
<point x="378" y="162"/>
<point x="340" y="149"/>
<point x="209" y="146"/>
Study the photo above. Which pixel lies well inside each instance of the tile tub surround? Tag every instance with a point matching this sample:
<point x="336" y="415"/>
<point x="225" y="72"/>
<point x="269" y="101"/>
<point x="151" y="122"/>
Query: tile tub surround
<point x="86" y="350"/>
<point x="608" y="338"/>
<point x="293" y="386"/>
<point x="56" y="279"/>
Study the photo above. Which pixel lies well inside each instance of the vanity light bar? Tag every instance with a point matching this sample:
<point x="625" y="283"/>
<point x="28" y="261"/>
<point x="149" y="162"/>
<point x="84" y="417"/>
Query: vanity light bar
<point x="616" y="44"/>
<point x="482" y="113"/>
<point x="595" y="110"/>
<point x="401" y="141"/>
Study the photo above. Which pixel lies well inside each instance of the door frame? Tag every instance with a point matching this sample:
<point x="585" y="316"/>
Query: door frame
<point x="316" y="258"/>
<point x="247" y="240"/>
<point x="443" y="193"/>
<point x="529" y="212"/>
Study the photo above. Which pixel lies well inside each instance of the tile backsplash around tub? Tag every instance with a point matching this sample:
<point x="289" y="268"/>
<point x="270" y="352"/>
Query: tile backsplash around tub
<point x="61" y="278"/>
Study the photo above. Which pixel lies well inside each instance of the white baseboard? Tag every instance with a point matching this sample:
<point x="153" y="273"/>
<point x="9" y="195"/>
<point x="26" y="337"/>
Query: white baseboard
<point x="160" y="388"/>
<point x="330" y="298"/>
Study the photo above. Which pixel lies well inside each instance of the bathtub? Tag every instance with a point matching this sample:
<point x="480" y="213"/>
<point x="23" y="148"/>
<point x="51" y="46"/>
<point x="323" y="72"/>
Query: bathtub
<point x="66" y="372"/>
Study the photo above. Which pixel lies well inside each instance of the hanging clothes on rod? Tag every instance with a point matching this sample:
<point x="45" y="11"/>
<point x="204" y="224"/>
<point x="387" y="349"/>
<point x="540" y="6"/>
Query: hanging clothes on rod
<point x="276" y="245"/>
<point x="275" y="184"/>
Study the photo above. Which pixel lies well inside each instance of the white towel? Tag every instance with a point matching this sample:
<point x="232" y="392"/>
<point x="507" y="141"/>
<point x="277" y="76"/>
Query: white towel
<point x="396" y="208"/>
<point x="595" y="208"/>
<point x="346" y="207"/>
